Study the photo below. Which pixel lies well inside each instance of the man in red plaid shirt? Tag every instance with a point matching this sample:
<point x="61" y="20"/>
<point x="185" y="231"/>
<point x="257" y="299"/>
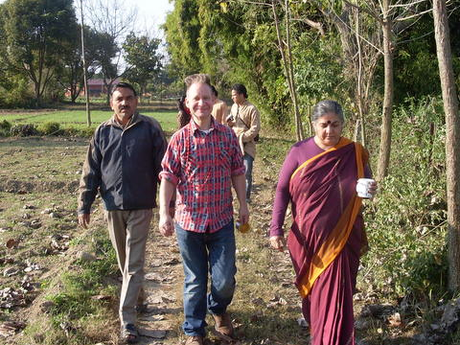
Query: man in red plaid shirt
<point x="202" y="162"/>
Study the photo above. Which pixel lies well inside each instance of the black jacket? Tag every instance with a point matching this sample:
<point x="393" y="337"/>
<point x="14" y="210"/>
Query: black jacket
<point x="123" y="165"/>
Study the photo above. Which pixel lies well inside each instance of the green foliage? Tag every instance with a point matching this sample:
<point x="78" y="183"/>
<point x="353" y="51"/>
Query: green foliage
<point x="5" y="127"/>
<point x="34" y="32"/>
<point x="182" y="29"/>
<point x="15" y="91"/>
<point x="407" y="223"/>
<point x="50" y="128"/>
<point x="143" y="59"/>
<point x="84" y="280"/>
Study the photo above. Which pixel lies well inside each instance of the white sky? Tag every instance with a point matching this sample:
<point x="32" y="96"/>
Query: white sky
<point x="151" y="13"/>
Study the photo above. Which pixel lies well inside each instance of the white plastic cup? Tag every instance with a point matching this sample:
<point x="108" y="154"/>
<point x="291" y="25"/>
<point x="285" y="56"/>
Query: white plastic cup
<point x="362" y="187"/>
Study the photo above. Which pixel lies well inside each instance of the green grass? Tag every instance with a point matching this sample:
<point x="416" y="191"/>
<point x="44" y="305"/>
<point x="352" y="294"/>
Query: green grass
<point x="77" y="118"/>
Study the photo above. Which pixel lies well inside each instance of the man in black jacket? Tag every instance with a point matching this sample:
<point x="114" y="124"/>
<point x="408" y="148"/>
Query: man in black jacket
<point x="122" y="164"/>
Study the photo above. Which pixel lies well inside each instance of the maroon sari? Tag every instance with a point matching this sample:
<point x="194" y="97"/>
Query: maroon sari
<point x="326" y="239"/>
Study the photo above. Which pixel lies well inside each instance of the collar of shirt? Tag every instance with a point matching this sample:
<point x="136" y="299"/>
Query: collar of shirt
<point x="194" y="127"/>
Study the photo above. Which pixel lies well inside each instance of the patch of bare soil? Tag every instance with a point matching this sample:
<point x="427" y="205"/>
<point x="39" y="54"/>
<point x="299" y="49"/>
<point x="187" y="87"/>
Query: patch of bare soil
<point x="23" y="187"/>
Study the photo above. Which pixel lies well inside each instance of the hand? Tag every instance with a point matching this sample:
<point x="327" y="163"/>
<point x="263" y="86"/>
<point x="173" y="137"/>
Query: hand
<point x="373" y="188"/>
<point x="166" y="224"/>
<point x="230" y="121"/>
<point x="243" y="216"/>
<point x="277" y="242"/>
<point x="83" y="220"/>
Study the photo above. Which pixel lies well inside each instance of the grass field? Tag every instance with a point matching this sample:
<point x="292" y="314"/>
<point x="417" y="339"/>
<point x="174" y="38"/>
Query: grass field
<point x="76" y="118"/>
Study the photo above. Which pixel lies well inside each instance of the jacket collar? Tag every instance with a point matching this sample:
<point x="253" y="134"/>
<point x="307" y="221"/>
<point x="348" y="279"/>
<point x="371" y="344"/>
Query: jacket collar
<point x="133" y="119"/>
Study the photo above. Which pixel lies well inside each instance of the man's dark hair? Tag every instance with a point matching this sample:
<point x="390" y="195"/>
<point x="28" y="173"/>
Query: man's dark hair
<point x="214" y="91"/>
<point x="241" y="89"/>
<point x="123" y="85"/>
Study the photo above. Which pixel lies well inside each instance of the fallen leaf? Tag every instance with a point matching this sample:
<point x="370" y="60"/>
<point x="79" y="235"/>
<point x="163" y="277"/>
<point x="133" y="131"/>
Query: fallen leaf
<point x="10" y="328"/>
<point x="11" y="243"/>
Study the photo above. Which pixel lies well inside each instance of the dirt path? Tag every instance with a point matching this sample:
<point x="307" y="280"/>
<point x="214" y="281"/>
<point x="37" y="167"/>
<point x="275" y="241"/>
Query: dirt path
<point x="163" y="282"/>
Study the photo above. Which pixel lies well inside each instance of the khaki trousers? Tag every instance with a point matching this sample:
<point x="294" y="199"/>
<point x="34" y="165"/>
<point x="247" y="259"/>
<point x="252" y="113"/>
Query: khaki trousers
<point x="128" y="232"/>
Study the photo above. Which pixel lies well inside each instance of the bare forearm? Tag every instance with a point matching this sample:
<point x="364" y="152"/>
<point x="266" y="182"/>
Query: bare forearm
<point x="239" y="184"/>
<point x="167" y="190"/>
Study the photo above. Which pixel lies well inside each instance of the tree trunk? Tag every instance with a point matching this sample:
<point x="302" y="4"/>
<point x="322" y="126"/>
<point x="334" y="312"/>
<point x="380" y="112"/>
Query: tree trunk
<point x="288" y="69"/>
<point x="359" y="83"/>
<point x="300" y="134"/>
<point x="385" y="134"/>
<point x="449" y="96"/>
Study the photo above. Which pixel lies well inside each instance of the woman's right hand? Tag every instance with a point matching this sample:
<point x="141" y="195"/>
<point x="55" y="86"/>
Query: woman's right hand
<point x="277" y="242"/>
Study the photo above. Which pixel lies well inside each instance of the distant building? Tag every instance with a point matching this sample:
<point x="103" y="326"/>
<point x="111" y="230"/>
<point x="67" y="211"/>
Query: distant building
<point x="96" y="87"/>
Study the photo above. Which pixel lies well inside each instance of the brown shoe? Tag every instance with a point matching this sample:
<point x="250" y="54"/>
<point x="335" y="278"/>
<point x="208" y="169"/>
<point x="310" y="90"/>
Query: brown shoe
<point x="194" y="340"/>
<point x="223" y="327"/>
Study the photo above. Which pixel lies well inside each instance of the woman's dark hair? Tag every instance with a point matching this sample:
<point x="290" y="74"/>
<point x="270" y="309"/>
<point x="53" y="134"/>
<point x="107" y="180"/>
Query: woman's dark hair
<point x="123" y="85"/>
<point x="214" y="91"/>
<point x="325" y="107"/>
<point x="241" y="89"/>
<point x="183" y="116"/>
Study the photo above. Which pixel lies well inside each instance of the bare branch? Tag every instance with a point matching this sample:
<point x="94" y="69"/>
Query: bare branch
<point x="315" y="25"/>
<point x="370" y="12"/>
<point x="413" y="16"/>
<point x="408" y="5"/>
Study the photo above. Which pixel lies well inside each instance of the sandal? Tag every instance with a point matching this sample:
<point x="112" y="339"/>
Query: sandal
<point x="129" y="334"/>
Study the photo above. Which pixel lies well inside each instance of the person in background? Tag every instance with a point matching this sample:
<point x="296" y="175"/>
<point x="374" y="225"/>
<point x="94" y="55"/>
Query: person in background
<point x="202" y="162"/>
<point x="319" y="178"/>
<point x="122" y="164"/>
<point x="183" y="116"/>
<point x="220" y="109"/>
<point x="244" y="118"/>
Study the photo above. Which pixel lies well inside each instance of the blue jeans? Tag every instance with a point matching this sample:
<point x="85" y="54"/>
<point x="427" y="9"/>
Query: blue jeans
<point x="200" y="252"/>
<point x="248" y="163"/>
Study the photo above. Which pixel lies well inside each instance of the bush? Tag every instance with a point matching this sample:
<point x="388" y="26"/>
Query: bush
<point x="5" y="128"/>
<point x="26" y="130"/>
<point x="406" y="223"/>
<point x="86" y="132"/>
<point x="50" y="128"/>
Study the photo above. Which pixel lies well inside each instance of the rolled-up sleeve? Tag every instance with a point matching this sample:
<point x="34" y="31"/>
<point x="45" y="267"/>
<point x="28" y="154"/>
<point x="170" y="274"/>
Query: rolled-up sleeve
<point x="170" y="164"/>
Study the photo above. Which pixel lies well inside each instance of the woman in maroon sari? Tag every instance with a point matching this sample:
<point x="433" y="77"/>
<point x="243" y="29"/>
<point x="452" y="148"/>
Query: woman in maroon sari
<point x="327" y="237"/>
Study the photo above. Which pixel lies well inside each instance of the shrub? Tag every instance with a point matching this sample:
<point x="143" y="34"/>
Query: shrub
<point x="5" y="128"/>
<point x="406" y="223"/>
<point x="23" y="130"/>
<point x="86" y="132"/>
<point x="50" y="128"/>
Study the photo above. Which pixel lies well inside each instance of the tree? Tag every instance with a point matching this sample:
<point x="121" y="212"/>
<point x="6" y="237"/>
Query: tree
<point x="182" y="31"/>
<point x="35" y="31"/>
<point x="449" y="96"/>
<point x="143" y="59"/>
<point x="288" y="65"/>
<point x="360" y="39"/>
<point x="110" y="18"/>
<point x="97" y="45"/>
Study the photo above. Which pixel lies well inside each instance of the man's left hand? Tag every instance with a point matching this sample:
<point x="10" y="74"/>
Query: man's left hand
<point x="244" y="214"/>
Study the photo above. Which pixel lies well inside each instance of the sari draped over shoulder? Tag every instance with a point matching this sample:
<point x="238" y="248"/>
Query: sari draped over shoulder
<point x="326" y="238"/>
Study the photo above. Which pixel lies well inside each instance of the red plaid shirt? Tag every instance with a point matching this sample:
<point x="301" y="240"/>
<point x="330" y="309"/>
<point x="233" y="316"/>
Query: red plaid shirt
<point x="201" y="165"/>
